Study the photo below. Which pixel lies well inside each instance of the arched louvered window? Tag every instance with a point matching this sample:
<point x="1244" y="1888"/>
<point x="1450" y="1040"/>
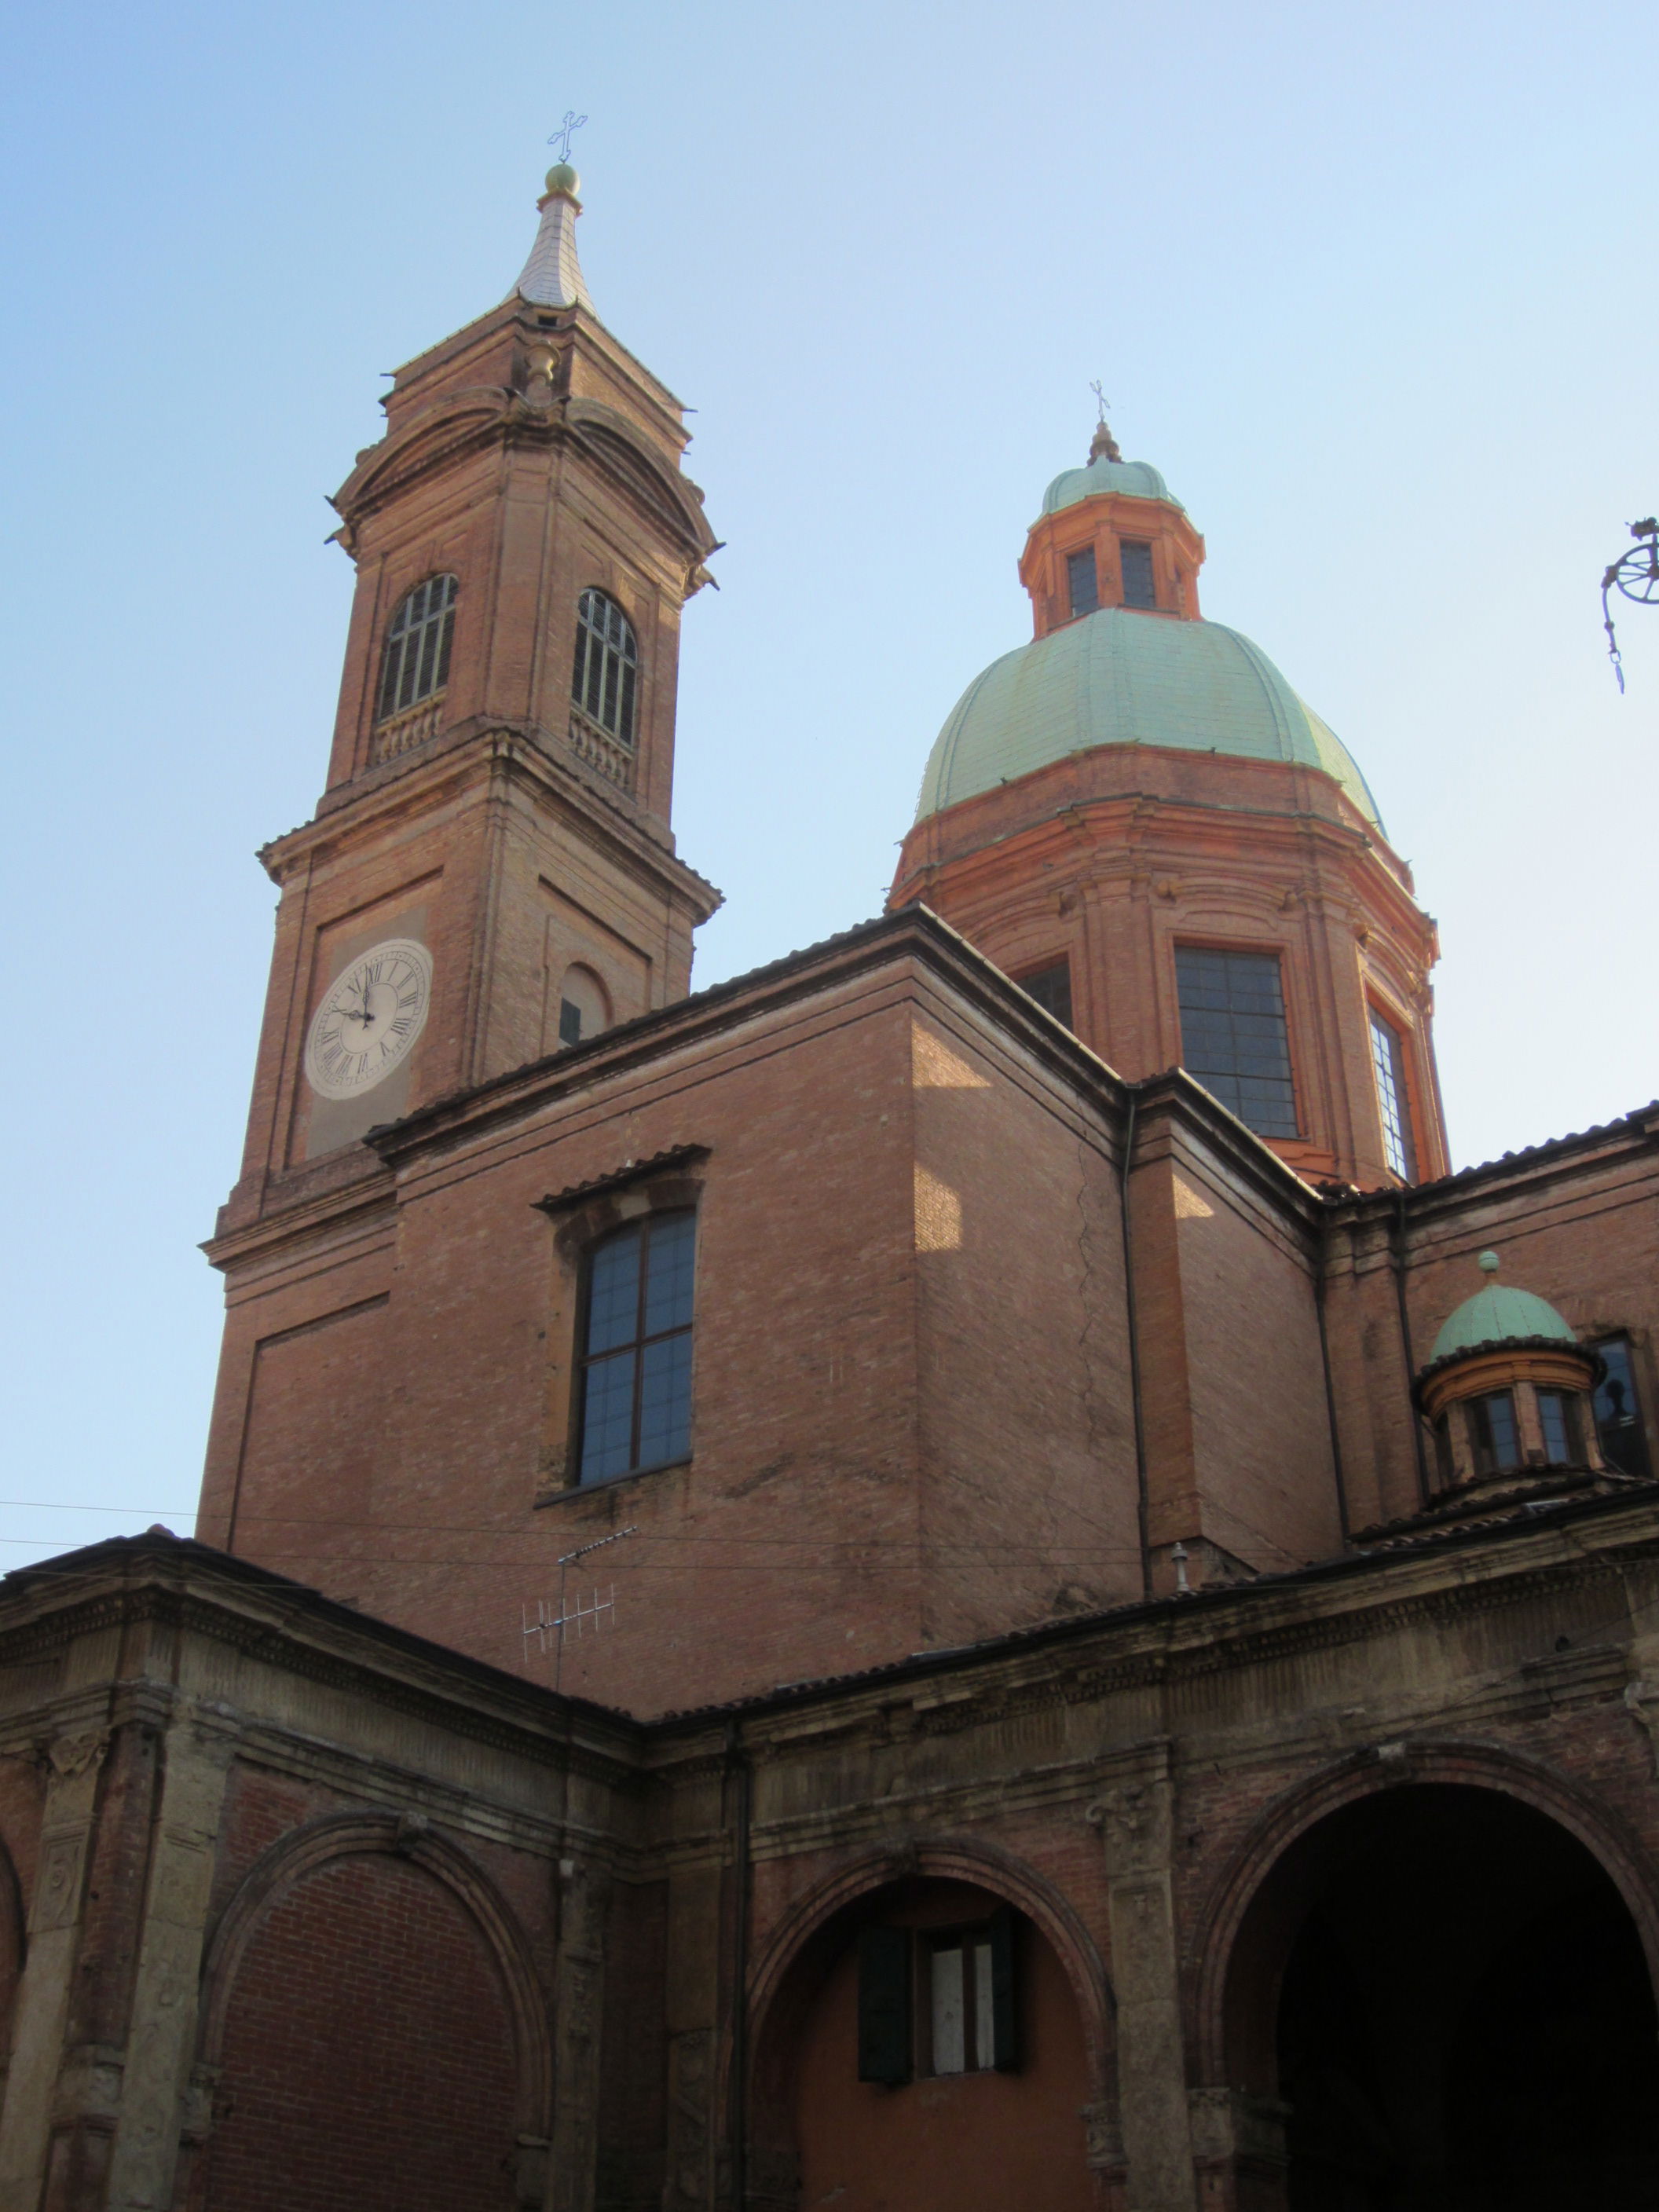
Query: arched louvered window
<point x="418" y="646"/>
<point x="607" y="665"/>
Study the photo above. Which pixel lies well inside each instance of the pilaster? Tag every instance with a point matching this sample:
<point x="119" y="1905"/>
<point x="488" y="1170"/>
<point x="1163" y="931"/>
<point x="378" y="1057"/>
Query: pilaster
<point x="1136" y="1820"/>
<point x="74" y="1762"/>
<point x="196" y="1754"/>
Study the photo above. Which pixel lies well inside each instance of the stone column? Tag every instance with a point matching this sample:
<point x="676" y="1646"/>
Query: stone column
<point x="41" y="2016"/>
<point x="1135" y="1817"/>
<point x="161" y="2043"/>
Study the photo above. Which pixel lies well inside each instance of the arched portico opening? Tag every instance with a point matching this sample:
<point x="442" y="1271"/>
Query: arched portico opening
<point x="1445" y="1990"/>
<point x="990" y="2098"/>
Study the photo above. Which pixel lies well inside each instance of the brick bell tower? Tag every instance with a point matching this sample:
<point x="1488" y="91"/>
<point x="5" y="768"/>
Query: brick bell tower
<point x="490" y="873"/>
<point x="1136" y="817"/>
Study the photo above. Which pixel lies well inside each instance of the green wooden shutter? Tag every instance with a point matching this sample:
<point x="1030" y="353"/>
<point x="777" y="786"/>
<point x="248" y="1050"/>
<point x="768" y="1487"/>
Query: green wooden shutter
<point x="1005" y="2011"/>
<point x="885" y="2005"/>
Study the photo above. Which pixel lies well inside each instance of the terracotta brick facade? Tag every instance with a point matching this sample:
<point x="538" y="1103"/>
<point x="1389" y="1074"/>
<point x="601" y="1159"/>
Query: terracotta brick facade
<point x="1059" y="1546"/>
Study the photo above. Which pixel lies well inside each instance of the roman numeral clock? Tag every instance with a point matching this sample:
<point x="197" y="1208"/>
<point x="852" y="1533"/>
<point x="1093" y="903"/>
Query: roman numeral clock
<point x="369" y="1022"/>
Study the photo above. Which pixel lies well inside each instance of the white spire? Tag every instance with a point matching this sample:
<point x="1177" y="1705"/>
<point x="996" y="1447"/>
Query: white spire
<point x="552" y="277"/>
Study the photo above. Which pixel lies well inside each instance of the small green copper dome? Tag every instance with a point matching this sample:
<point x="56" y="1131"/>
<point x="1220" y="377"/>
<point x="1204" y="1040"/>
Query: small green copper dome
<point x="1134" y="479"/>
<point x="1498" y="1315"/>
<point x="1121" y="678"/>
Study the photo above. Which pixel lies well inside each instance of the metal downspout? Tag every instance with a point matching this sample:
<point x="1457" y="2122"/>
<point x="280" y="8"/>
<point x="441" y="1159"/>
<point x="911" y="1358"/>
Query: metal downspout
<point x="1143" y="1511"/>
<point x="1330" y="1390"/>
<point x="1397" y="1243"/>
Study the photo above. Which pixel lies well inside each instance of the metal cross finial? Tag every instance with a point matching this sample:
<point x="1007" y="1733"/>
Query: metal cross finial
<point x="562" y="137"/>
<point x="1101" y="401"/>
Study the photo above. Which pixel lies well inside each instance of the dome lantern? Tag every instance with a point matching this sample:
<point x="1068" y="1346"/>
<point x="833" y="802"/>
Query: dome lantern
<point x="1507" y="1386"/>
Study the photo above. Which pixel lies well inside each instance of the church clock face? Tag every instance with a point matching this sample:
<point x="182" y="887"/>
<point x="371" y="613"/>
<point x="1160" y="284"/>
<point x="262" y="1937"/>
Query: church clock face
<point x="369" y="1021"/>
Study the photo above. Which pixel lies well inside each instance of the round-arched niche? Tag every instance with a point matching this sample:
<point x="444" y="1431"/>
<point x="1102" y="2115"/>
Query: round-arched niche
<point x="923" y="2047"/>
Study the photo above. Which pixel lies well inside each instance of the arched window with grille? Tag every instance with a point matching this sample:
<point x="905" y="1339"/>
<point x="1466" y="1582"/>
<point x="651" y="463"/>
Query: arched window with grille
<point x="607" y="665"/>
<point x="417" y="664"/>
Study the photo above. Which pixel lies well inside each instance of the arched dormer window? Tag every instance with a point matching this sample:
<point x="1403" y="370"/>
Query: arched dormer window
<point x="416" y="663"/>
<point x="607" y="665"/>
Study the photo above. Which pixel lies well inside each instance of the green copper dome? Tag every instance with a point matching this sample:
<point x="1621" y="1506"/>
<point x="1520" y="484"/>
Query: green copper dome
<point x="1122" y="678"/>
<point x="1498" y="1315"/>
<point x="1133" y="479"/>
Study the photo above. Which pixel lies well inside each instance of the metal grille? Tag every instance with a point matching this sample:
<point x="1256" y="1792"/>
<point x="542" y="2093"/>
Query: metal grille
<point x="607" y="663"/>
<point x="417" y="645"/>
<point x="1082" y="582"/>
<point x="1233" y="1038"/>
<point x="636" y="1365"/>
<point x="1388" y="1058"/>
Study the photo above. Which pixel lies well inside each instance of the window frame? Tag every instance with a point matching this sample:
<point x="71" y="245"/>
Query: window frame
<point x="1404" y="1075"/>
<point x="1483" y="1447"/>
<point x="437" y="623"/>
<point x="645" y="1226"/>
<point x="896" y="1991"/>
<point x="1079" y="553"/>
<point x="1639" y="1416"/>
<point x="1062" y="966"/>
<point x="611" y="657"/>
<point x="1147" y="606"/>
<point x="1279" y="954"/>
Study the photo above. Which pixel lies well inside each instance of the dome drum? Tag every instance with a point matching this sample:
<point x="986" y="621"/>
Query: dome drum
<point x="1136" y="809"/>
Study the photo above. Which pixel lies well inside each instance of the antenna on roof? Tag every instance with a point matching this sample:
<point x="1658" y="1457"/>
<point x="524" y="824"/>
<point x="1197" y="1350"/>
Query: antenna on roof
<point x="555" y="1624"/>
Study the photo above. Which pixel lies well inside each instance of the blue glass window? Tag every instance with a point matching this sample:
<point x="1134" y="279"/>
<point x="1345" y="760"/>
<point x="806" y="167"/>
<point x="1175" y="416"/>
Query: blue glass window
<point x="636" y="1348"/>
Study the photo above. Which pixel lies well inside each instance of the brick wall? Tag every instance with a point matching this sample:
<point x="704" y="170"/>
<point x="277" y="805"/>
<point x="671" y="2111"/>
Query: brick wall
<point x="368" y="2058"/>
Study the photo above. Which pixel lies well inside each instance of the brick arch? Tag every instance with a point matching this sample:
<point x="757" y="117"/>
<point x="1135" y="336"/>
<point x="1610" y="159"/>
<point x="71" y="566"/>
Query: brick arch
<point x="780" y="2002"/>
<point x="1298" y="1810"/>
<point x="952" y="1859"/>
<point x="430" y="1891"/>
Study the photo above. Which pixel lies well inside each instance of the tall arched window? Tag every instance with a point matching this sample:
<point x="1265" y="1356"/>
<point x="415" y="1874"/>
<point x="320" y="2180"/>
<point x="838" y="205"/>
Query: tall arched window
<point x="418" y="646"/>
<point x="607" y="663"/>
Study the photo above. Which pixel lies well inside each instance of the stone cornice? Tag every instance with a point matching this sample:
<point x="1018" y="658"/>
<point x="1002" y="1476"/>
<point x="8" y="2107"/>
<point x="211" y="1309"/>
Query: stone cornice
<point x="464" y="759"/>
<point x="190" y="1588"/>
<point x="472" y="418"/>
<point x="1138" y="1652"/>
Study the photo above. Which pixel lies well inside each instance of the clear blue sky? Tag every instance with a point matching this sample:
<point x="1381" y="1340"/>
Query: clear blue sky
<point x="1374" y="288"/>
